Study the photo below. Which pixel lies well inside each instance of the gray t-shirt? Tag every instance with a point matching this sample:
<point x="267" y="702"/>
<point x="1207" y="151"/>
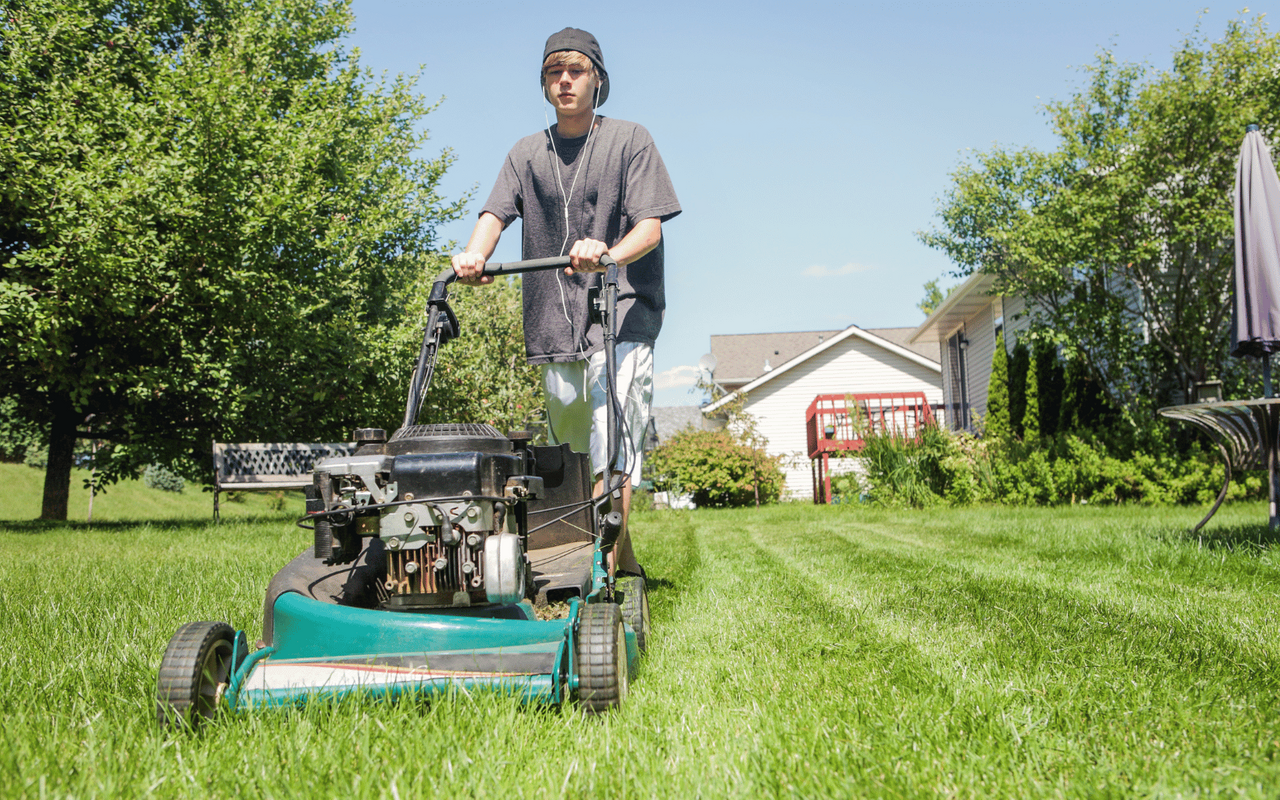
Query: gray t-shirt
<point x="613" y="179"/>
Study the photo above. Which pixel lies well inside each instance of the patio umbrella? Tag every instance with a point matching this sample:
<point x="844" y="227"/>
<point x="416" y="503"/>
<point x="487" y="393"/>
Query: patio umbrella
<point x="1256" y="310"/>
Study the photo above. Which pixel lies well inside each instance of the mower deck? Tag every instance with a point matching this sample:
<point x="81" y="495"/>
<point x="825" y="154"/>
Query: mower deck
<point x="321" y="646"/>
<point x="334" y="650"/>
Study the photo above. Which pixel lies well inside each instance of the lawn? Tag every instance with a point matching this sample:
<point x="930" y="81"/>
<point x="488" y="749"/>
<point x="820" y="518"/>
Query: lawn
<point x="22" y="489"/>
<point x="798" y="651"/>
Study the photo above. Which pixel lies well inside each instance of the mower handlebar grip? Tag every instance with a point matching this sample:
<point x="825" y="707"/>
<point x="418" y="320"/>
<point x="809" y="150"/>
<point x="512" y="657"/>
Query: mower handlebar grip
<point x="448" y="276"/>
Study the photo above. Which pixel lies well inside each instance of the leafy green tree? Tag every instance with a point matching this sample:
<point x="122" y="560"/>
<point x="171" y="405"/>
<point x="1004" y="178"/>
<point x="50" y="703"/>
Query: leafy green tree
<point x="1085" y="407"/>
<point x="1121" y="237"/>
<point x="211" y="223"/>
<point x="717" y="468"/>
<point x="17" y="435"/>
<point x="933" y="296"/>
<point x="482" y="376"/>
<point x="996" y="421"/>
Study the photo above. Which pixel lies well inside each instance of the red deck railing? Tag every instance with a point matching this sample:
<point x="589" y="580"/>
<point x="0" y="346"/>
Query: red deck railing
<point x="836" y="422"/>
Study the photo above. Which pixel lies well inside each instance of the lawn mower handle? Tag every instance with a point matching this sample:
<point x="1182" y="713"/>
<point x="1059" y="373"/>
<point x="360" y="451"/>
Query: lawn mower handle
<point x="442" y="326"/>
<point x="448" y="276"/>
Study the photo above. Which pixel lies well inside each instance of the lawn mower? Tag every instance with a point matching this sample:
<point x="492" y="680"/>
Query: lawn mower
<point x="446" y="557"/>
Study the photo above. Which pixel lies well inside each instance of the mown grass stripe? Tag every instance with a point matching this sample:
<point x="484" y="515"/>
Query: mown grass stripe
<point x="797" y="652"/>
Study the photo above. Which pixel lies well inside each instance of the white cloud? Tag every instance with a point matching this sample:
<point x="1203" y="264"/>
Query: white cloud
<point x="823" y="271"/>
<point x="676" y="377"/>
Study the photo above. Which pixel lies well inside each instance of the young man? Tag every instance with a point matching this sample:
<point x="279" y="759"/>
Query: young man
<point x="586" y="186"/>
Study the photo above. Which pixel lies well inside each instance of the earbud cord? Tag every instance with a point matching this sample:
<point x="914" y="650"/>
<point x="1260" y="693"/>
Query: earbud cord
<point x="566" y="196"/>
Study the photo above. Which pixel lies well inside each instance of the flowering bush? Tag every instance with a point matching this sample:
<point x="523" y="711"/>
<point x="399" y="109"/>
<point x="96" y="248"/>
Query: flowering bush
<point x="717" y="468"/>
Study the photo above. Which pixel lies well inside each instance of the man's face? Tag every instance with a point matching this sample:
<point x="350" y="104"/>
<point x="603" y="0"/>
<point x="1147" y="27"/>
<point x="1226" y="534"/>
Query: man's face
<point x="570" y="89"/>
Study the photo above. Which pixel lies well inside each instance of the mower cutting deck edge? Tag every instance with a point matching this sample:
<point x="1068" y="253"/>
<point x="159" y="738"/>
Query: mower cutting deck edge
<point x="435" y="550"/>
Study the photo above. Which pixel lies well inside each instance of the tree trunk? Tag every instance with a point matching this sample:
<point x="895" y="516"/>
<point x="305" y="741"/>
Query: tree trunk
<point x="57" y="475"/>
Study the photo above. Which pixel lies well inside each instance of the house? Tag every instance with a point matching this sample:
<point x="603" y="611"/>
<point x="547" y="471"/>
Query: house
<point x="965" y="326"/>
<point x="781" y="373"/>
<point x="667" y="421"/>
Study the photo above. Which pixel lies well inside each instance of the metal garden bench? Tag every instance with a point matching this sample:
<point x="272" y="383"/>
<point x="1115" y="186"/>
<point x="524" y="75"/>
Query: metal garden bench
<point x="264" y="467"/>
<point x="1246" y="433"/>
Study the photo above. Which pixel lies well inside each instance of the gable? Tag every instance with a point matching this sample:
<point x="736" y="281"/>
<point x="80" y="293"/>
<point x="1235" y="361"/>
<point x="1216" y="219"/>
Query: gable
<point x="877" y="350"/>
<point x="741" y="358"/>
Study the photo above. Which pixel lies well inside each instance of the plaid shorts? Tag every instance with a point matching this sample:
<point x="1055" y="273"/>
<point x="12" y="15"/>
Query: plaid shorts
<point x="576" y="410"/>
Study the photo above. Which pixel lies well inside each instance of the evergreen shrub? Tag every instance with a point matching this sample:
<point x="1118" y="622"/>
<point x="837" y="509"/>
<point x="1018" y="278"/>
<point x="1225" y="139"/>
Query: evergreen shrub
<point x="158" y="476"/>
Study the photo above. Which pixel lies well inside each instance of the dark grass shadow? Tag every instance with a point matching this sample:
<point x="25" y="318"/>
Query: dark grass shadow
<point x="1254" y="536"/>
<point x="38" y="526"/>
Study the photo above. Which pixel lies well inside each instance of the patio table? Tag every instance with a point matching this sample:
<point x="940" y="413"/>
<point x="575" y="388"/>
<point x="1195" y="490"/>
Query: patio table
<point x="1246" y="432"/>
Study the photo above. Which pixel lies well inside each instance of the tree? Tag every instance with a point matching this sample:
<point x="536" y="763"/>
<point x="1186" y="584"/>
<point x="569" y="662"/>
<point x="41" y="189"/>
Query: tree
<point x="1050" y="384"/>
<point x="212" y="224"/>
<point x="1121" y="237"/>
<point x="1019" y="366"/>
<point x="933" y="297"/>
<point x="1085" y="407"/>
<point x="996" y="421"/>
<point x="483" y="376"/>
<point x="1031" y="402"/>
<point x="718" y="468"/>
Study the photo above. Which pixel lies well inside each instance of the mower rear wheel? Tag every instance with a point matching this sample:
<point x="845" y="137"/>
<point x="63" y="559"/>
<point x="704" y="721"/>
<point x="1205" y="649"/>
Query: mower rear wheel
<point x="602" y="658"/>
<point x="635" y="607"/>
<point x="195" y="670"/>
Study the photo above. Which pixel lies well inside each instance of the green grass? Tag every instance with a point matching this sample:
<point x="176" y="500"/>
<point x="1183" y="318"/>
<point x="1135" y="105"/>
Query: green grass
<point x="798" y="651"/>
<point x="133" y="501"/>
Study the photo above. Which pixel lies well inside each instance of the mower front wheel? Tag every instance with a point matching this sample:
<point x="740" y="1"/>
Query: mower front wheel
<point x="195" y="670"/>
<point x="602" y="658"/>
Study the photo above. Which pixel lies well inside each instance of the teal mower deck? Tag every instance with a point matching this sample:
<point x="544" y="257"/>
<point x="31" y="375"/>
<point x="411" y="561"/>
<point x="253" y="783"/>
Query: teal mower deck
<point x="446" y="557"/>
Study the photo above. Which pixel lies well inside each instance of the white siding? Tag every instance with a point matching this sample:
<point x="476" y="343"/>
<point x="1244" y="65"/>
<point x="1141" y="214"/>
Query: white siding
<point x="979" y="330"/>
<point x="852" y="366"/>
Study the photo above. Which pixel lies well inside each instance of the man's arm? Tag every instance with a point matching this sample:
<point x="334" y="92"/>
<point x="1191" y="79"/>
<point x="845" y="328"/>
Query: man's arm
<point x="585" y="255"/>
<point x="469" y="264"/>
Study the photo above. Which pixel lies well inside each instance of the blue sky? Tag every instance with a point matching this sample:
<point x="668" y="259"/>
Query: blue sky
<point x="808" y="141"/>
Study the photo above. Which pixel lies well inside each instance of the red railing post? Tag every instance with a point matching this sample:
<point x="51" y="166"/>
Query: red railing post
<point x="891" y="413"/>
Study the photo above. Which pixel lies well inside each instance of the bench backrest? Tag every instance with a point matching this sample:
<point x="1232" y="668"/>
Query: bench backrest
<point x="271" y="465"/>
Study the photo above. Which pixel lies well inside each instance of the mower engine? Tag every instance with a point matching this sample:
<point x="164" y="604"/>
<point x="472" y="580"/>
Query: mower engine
<point x="447" y="504"/>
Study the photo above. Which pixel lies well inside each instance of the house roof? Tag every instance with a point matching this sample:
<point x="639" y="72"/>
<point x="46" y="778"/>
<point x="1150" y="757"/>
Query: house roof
<point x="741" y="358"/>
<point x="670" y="420"/>
<point x="827" y="343"/>
<point x="902" y="337"/>
<point x="964" y="301"/>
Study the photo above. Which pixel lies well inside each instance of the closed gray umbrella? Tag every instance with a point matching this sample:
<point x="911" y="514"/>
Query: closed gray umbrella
<point x="1248" y="432"/>
<point x="1256" y="311"/>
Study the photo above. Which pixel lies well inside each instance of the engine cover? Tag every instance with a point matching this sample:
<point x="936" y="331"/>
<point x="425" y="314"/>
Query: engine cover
<point x="454" y="474"/>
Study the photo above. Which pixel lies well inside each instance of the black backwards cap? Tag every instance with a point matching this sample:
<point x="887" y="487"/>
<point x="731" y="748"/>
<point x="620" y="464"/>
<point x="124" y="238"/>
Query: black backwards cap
<point x="579" y="41"/>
